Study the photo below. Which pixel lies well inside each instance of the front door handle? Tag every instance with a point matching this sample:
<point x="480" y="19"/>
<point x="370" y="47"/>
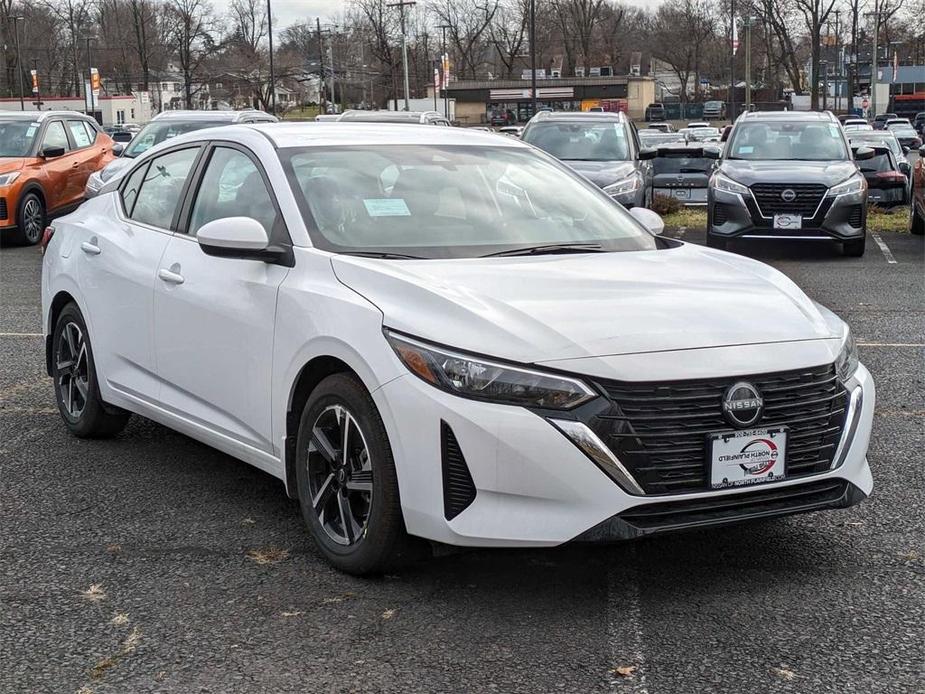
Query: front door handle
<point x="170" y="276"/>
<point x="90" y="248"/>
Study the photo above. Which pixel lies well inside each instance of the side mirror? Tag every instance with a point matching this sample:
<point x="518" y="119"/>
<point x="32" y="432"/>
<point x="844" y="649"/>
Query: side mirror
<point x="118" y="148"/>
<point x="905" y="167"/>
<point x="864" y="153"/>
<point x="649" y="219"/>
<point x="647" y="154"/>
<point x="243" y="238"/>
<point x="52" y="152"/>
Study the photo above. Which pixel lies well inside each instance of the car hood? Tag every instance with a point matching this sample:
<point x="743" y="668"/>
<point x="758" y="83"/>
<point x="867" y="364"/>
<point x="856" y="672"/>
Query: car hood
<point x="602" y="173"/>
<point x="533" y="309"/>
<point x="10" y="164"/>
<point x="828" y="173"/>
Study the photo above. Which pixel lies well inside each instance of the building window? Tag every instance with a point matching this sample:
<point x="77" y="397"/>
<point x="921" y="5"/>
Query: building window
<point x="133" y="114"/>
<point x="120" y="117"/>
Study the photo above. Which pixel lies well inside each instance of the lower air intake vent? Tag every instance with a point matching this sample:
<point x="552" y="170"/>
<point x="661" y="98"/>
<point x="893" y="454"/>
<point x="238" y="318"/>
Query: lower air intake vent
<point x="458" y="489"/>
<point x="855" y="218"/>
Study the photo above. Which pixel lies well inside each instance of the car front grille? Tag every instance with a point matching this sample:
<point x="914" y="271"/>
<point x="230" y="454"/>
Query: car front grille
<point x="769" y="200"/>
<point x="659" y="430"/>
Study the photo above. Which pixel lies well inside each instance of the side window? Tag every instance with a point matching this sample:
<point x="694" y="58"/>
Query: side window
<point x="55" y="136"/>
<point x="162" y="187"/>
<point x="232" y="187"/>
<point x="130" y="192"/>
<point x="79" y="133"/>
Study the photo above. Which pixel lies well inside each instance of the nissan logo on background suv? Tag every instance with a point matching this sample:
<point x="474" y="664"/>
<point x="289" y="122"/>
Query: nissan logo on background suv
<point x="788" y="195"/>
<point x="742" y="404"/>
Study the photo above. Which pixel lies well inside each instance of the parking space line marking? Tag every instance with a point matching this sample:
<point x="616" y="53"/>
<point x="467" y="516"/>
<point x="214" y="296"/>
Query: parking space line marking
<point x="626" y="612"/>
<point x="21" y="335"/>
<point x="891" y="344"/>
<point x="887" y="253"/>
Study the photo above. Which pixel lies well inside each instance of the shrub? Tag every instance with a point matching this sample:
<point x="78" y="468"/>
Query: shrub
<point x="663" y="205"/>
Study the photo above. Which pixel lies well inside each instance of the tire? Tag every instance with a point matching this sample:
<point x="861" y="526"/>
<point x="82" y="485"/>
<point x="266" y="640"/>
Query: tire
<point x="917" y="223"/>
<point x="855" y="248"/>
<point x="76" y="386"/>
<point x="356" y="519"/>
<point x="717" y="242"/>
<point x="30" y="220"/>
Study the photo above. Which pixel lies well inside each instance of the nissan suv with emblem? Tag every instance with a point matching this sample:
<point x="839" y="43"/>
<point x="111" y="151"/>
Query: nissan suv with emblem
<point x="789" y="175"/>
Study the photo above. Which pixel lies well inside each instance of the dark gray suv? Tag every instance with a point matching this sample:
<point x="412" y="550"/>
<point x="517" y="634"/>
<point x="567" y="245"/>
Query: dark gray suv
<point x="604" y="147"/>
<point x="788" y="175"/>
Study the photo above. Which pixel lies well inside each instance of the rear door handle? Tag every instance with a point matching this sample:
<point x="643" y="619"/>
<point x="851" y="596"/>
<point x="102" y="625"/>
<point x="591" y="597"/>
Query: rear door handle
<point x="90" y="248"/>
<point x="170" y="276"/>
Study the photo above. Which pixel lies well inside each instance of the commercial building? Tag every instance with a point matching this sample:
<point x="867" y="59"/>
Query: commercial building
<point x="484" y="101"/>
<point x="108" y="110"/>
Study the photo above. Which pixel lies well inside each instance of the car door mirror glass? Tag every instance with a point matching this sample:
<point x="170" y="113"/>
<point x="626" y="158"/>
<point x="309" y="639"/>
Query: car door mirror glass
<point x="50" y="152"/>
<point x="864" y="153"/>
<point x="905" y="167"/>
<point x="649" y="219"/>
<point x="118" y="148"/>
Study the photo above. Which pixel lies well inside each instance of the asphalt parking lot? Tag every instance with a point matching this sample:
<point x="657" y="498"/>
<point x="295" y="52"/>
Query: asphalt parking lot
<point x="151" y="563"/>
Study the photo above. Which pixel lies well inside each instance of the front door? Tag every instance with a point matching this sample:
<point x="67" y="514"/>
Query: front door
<point x="214" y="318"/>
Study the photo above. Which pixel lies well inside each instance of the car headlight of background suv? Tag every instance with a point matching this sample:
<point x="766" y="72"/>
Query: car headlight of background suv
<point x="847" y="362"/>
<point x="630" y="184"/>
<point x="726" y="184"/>
<point x="855" y="184"/>
<point x="483" y="379"/>
<point x="7" y="179"/>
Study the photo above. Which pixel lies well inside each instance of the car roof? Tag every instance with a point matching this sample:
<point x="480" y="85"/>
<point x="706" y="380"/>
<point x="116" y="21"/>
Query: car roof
<point x="803" y="116"/>
<point x="229" y="116"/>
<point x="579" y="116"/>
<point x="312" y="134"/>
<point x="38" y="116"/>
<point x="388" y="116"/>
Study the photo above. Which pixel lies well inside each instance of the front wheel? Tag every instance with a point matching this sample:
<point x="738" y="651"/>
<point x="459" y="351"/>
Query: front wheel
<point x="917" y="223"/>
<point x="30" y="220"/>
<point x="855" y="247"/>
<point x="76" y="385"/>
<point x="347" y="484"/>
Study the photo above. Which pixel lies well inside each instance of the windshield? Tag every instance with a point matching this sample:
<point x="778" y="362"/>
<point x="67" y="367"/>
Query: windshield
<point x="16" y="137"/>
<point x="655" y="138"/>
<point x="879" y="163"/>
<point x="902" y="130"/>
<point x="772" y="141"/>
<point x="580" y="141"/>
<point x="157" y="132"/>
<point x="451" y="202"/>
<point x="681" y="165"/>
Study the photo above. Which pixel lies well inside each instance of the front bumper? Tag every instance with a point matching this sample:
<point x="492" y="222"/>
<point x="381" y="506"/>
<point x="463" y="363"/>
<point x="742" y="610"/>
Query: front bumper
<point x="732" y="215"/>
<point x="533" y="487"/>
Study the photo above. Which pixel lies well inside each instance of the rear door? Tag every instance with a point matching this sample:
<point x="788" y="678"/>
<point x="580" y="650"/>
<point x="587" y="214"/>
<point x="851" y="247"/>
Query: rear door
<point x="58" y="186"/>
<point x="85" y="153"/>
<point x="214" y="318"/>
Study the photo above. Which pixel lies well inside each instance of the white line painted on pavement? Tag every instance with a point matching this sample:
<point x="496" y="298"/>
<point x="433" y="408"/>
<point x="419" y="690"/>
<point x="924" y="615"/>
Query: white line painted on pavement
<point x="21" y="335"/>
<point x="887" y="253"/>
<point x="624" y="615"/>
<point x="891" y="344"/>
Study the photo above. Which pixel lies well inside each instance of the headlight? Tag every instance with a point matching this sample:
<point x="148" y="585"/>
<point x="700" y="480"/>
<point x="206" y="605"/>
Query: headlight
<point x="847" y="362"/>
<point x="721" y="182"/>
<point x="855" y="184"/>
<point x="626" y="185"/>
<point x="7" y="179"/>
<point x="482" y="379"/>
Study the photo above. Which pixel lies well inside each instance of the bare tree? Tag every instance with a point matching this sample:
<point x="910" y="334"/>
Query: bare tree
<point x="816" y="13"/>
<point x="508" y="32"/>
<point x="191" y="34"/>
<point x="468" y="22"/>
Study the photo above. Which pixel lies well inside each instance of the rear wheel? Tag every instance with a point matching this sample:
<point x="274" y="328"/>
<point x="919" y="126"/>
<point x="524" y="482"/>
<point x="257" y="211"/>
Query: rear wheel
<point x="30" y="220"/>
<point x="76" y="385"/>
<point x="854" y="248"/>
<point x="348" y="489"/>
<point x="917" y="223"/>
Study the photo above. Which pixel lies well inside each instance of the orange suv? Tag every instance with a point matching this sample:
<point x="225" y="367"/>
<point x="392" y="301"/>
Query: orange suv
<point x="918" y="195"/>
<point x="45" y="160"/>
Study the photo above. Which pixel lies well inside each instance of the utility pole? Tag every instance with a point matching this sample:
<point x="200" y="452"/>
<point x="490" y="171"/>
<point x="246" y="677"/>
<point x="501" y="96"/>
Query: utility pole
<point x="89" y="106"/>
<point x="533" y="57"/>
<point x="331" y="76"/>
<point x="838" y="61"/>
<point x="401" y="5"/>
<point x="444" y="71"/>
<point x="324" y="103"/>
<point x="874" y="60"/>
<point x="747" y="21"/>
<point x="272" y="72"/>
<point x="732" y="61"/>
<point x="22" y="105"/>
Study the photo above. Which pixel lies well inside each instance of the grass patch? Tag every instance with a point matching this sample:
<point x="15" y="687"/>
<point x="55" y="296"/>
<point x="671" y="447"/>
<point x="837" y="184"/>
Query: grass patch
<point x="307" y="113"/>
<point x="878" y="219"/>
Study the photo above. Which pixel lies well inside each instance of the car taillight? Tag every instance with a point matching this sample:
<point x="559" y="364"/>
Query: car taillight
<point x="46" y="238"/>
<point x="891" y="176"/>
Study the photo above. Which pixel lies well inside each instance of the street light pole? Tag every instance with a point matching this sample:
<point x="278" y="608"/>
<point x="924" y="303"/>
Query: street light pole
<point x="747" y="21"/>
<point x="401" y="5"/>
<point x="874" y="60"/>
<point x="90" y="110"/>
<point x="444" y="69"/>
<point x="272" y="72"/>
<point x="838" y="61"/>
<point x="22" y="104"/>
<point x="533" y="57"/>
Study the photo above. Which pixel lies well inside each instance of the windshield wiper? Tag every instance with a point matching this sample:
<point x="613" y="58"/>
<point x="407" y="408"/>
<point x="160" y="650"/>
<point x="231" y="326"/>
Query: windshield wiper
<point x="384" y="254"/>
<point x="550" y="249"/>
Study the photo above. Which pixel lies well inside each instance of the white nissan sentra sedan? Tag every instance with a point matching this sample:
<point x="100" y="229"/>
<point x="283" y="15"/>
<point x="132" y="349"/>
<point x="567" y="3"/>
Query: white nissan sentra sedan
<point x="432" y="333"/>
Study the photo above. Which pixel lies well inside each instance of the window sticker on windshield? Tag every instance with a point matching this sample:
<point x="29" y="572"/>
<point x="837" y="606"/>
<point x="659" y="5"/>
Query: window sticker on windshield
<point x="30" y="131"/>
<point x="746" y="149"/>
<point x="386" y="207"/>
<point x="833" y="130"/>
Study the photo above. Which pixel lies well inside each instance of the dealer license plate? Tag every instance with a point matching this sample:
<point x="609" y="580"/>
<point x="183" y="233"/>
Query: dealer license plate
<point x="788" y="221"/>
<point x="743" y="458"/>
